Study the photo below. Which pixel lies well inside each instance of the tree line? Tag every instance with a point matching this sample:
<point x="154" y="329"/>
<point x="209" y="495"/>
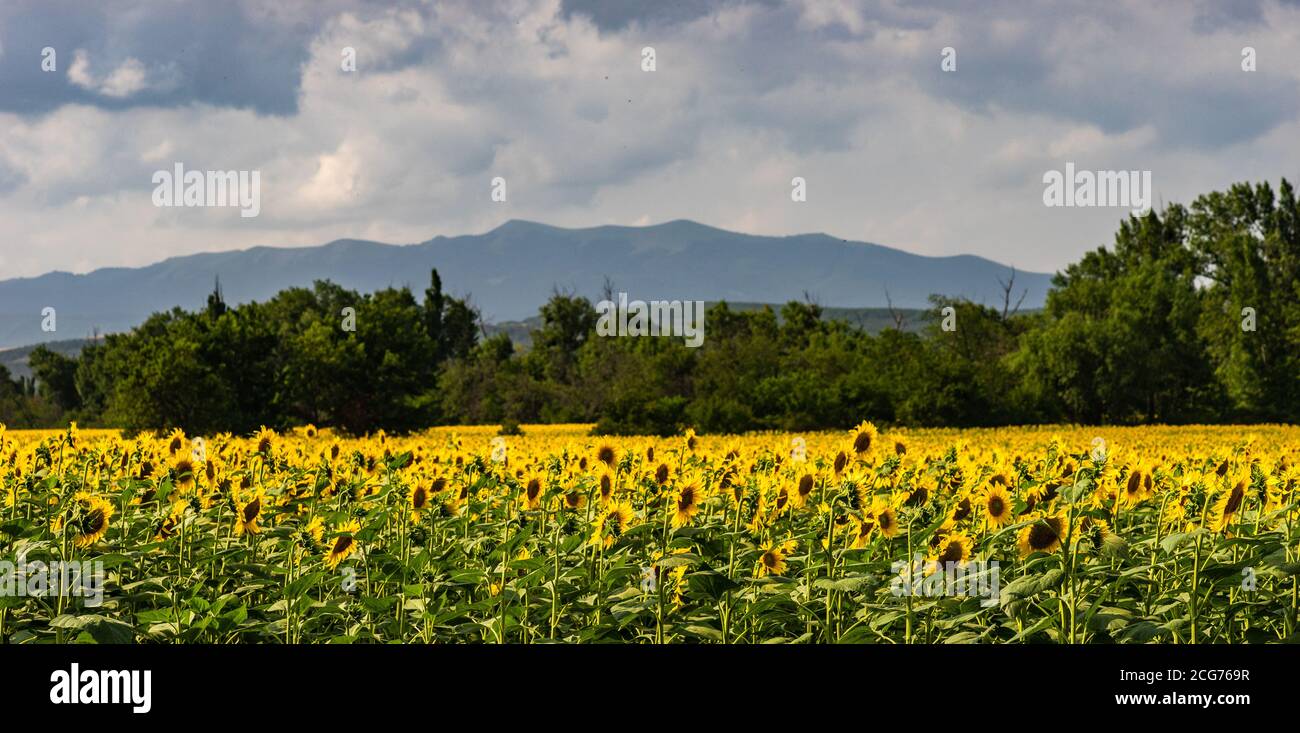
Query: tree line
<point x="1192" y="315"/>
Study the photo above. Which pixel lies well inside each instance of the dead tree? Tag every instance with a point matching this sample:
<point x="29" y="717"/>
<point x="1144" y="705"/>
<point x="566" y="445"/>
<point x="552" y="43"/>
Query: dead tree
<point x="1007" y="288"/>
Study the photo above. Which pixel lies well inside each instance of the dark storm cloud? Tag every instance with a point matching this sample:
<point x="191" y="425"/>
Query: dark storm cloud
<point x="217" y="53"/>
<point x="613" y="15"/>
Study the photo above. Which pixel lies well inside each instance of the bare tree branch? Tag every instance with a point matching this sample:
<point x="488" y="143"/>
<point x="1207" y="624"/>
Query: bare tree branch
<point x="899" y="318"/>
<point x="1007" y="288"/>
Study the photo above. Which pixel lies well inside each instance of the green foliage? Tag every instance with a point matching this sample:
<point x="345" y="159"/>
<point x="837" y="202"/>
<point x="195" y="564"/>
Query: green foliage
<point x="1152" y="329"/>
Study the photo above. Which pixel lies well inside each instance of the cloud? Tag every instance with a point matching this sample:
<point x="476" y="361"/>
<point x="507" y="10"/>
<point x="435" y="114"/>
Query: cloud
<point x="549" y="95"/>
<point x="127" y="79"/>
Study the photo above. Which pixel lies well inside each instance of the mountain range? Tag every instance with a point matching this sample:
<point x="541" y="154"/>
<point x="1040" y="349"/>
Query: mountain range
<point x="512" y="270"/>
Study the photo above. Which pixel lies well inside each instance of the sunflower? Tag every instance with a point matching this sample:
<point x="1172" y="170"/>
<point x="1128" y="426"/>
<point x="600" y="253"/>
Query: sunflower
<point x="865" y="438"/>
<point x="91" y="519"/>
<point x="211" y="472"/>
<point x="1227" y="506"/>
<point x="1097" y="531"/>
<point x="315" y="529"/>
<point x="606" y="454"/>
<point x="961" y="510"/>
<point x="1043" y="535"/>
<point x="612" y="524"/>
<point x="167" y="527"/>
<point x="605" y="486"/>
<point x="841" y="460"/>
<point x="661" y="474"/>
<point x="862" y="528"/>
<point x="345" y="542"/>
<point x="686" y="504"/>
<point x="183" y="474"/>
<point x="917" y="497"/>
<point x="574" y="499"/>
<point x="1137" y="486"/>
<point x="1042" y="493"/>
<point x="954" y="548"/>
<point x="803" y="490"/>
<point x="886" y="518"/>
<point x="265" y="441"/>
<point x="533" y="490"/>
<point x="247" y="512"/>
<point x="175" y="442"/>
<point x="996" y="504"/>
<point x="418" y="498"/>
<point x="772" y="560"/>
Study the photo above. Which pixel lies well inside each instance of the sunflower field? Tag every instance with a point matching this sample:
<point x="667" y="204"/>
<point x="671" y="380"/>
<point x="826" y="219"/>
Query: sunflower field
<point x="1095" y="535"/>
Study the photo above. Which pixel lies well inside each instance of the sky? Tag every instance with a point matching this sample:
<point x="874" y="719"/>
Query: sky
<point x="551" y="96"/>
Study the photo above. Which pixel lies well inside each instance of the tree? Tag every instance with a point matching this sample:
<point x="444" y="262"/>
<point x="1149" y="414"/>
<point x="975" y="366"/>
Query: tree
<point x="56" y="376"/>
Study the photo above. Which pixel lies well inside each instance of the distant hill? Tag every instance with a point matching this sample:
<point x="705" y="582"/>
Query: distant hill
<point x="513" y="269"/>
<point x="15" y="359"/>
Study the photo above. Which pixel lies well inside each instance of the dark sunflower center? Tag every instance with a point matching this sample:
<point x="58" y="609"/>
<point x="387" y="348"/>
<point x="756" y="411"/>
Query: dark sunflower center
<point x="862" y="443"/>
<point x="1042" y="536"/>
<point x="93" y="522"/>
<point x="1134" y="484"/>
<point x="686" y="501"/>
<point x="805" y="485"/>
<point x="996" y="506"/>
<point x="951" y="552"/>
<point x="1235" y="498"/>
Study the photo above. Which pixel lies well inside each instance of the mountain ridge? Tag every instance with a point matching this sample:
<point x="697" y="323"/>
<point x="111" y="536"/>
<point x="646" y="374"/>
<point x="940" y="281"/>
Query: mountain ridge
<point x="510" y="271"/>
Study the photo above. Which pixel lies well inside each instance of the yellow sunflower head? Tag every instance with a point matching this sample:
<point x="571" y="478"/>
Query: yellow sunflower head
<point x="773" y="556"/>
<point x="611" y="525"/>
<point x="1041" y="535"/>
<point x="249" y="508"/>
<point x="953" y="547"/>
<point x="996" y="506"/>
<point x="90" y="518"/>
<point x="865" y="440"/>
<point x="686" y="503"/>
<point x="343" y="544"/>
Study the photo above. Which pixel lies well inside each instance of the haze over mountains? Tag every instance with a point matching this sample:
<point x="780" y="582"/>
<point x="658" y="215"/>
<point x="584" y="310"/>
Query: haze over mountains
<point x="512" y="270"/>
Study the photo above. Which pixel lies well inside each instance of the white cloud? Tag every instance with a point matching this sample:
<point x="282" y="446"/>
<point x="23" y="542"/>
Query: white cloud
<point x="130" y="77"/>
<point x="445" y="98"/>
